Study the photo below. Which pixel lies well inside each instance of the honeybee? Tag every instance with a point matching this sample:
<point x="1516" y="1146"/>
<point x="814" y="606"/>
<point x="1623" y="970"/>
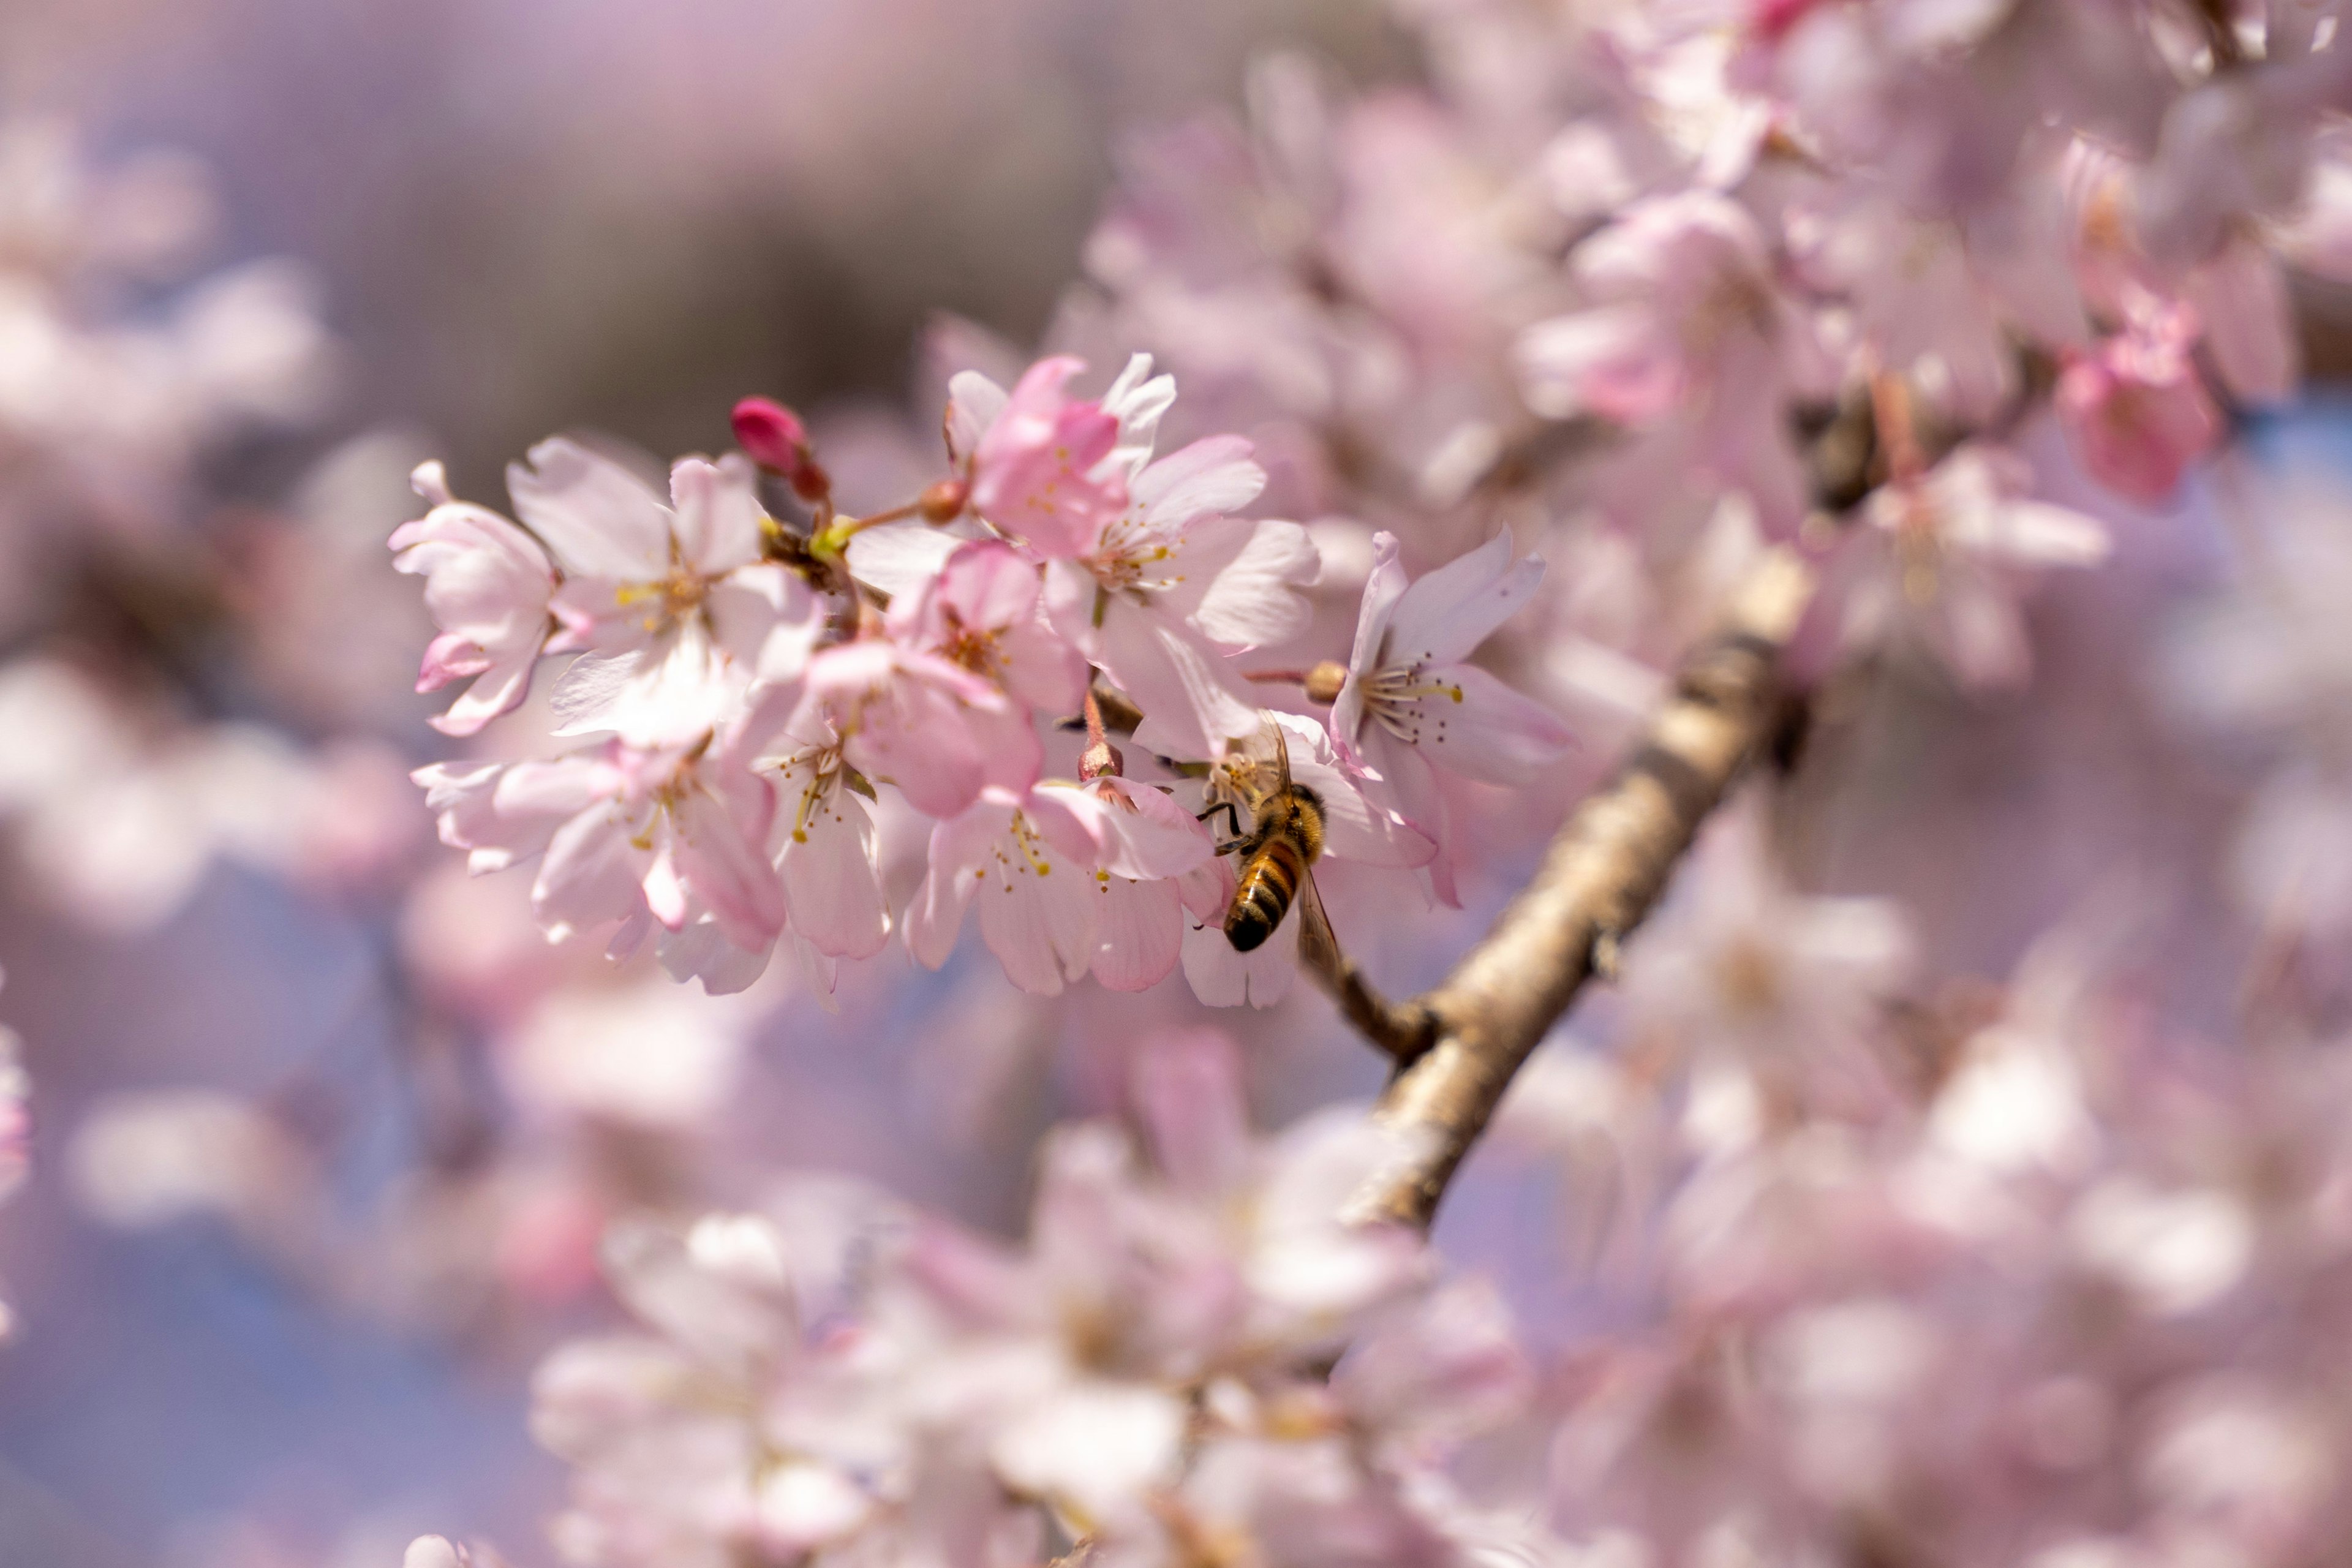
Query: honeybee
<point x="1279" y="847"/>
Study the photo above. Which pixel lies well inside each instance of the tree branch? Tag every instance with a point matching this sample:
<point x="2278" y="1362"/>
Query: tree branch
<point x="1608" y="866"/>
<point x="1403" y="1030"/>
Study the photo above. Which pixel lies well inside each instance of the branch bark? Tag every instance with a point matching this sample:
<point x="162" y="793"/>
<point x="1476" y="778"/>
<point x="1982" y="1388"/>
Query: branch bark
<point x="1402" y="1030"/>
<point x="1462" y="1042"/>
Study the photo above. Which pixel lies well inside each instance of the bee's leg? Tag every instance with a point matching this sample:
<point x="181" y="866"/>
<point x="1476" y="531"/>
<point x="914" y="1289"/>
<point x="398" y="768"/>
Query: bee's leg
<point x="1232" y="821"/>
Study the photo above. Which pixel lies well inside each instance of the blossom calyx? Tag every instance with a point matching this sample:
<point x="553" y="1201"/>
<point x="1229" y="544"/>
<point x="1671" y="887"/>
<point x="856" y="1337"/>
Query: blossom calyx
<point x="1100" y="759"/>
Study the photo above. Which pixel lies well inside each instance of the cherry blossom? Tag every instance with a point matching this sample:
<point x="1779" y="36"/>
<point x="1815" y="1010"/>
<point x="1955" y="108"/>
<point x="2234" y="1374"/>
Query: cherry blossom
<point x="773" y="437"/>
<point x="1410" y="697"/>
<point x="824" y="845"/>
<point x="832" y="1373"/>
<point x="2135" y="409"/>
<point x="1803" y="1238"/>
<point x="674" y="602"/>
<point x="488" y="584"/>
<point x="1686" y="322"/>
<point x="669" y="1430"/>
<point x="629" y="837"/>
<point x="1041" y="467"/>
<point x="1150" y="574"/>
<point x="981" y="612"/>
<point x="1030" y="861"/>
<point x="1784" y="987"/>
<point x="1945" y="560"/>
<point x="937" y="731"/>
<point x="1152" y="849"/>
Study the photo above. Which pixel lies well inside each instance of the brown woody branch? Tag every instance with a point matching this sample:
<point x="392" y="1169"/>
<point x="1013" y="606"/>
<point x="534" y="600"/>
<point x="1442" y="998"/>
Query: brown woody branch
<point x="1458" y="1046"/>
<point x="1403" y="1030"/>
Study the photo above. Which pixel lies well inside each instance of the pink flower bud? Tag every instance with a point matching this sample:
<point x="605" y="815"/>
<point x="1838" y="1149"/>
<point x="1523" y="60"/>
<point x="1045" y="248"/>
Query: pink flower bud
<point x="2137" y="419"/>
<point x="944" y="502"/>
<point x="1323" y="682"/>
<point x="773" y="437"/>
<point x="1773" y="19"/>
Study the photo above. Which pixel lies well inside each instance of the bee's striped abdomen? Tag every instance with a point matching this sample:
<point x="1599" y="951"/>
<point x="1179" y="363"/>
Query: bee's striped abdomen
<point x="1269" y="881"/>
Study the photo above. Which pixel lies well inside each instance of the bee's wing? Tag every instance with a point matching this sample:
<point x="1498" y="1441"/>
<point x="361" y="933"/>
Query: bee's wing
<point x="1315" y="926"/>
<point x="1273" y="746"/>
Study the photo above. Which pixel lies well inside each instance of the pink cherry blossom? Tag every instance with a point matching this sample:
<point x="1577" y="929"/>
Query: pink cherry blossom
<point x="625" y="835"/>
<point x="2240" y="293"/>
<point x="1687" y="329"/>
<point x="1071" y="880"/>
<point x="1786" y="987"/>
<point x="1945" y="313"/>
<point x="934" y="729"/>
<point x="1411" y="698"/>
<point x="1159" y="584"/>
<point x="673" y="600"/>
<point x="1231" y="1268"/>
<point x="2135" y="409"/>
<point x="1029" y="857"/>
<point x="1040" y="471"/>
<point x="671" y="1431"/>
<point x="1151" y="844"/>
<point x="773" y="437"/>
<point x="824" y="846"/>
<point x="488" y="584"/>
<point x="1831" y="1249"/>
<point x="832" y="1375"/>
<point x="1947" y="558"/>
<point x="1278" y="1202"/>
<point x="980" y="611"/>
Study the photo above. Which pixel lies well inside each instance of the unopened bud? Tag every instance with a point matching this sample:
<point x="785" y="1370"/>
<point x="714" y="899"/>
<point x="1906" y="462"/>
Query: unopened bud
<point x="773" y="437"/>
<point x="1323" y="682"/>
<point x="1101" y="760"/>
<point x="942" y="502"/>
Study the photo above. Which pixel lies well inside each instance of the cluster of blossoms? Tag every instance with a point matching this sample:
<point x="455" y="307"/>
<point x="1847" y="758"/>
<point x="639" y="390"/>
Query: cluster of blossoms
<point x="1767" y="212"/>
<point x="837" y="1379"/>
<point x="1982" y="1280"/>
<point x="753" y="680"/>
<point x="105" y="411"/>
<point x="2014" y="1276"/>
<point x="120" y="782"/>
<point x="1848" y="1265"/>
<point x="1817" y="1254"/>
<point x="128" y="775"/>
